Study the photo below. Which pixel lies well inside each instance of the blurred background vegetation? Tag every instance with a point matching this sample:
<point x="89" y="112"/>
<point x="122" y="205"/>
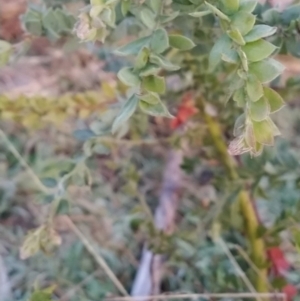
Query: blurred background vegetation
<point x="57" y="104"/>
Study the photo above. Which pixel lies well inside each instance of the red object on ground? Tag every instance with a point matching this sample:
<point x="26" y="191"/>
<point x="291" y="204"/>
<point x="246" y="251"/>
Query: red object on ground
<point x="185" y="110"/>
<point x="290" y="291"/>
<point x="280" y="265"/>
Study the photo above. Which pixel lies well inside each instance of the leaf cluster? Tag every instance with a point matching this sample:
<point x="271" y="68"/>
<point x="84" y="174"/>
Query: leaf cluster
<point x="50" y="22"/>
<point x="243" y="44"/>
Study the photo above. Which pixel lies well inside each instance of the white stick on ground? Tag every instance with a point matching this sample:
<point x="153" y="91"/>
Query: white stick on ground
<point x="148" y="278"/>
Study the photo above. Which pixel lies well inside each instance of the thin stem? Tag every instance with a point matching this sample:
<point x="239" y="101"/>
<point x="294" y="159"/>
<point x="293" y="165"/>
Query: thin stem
<point x="240" y="272"/>
<point x="21" y="160"/>
<point x="247" y="259"/>
<point x="131" y="142"/>
<point x="98" y="258"/>
<point x="73" y="227"/>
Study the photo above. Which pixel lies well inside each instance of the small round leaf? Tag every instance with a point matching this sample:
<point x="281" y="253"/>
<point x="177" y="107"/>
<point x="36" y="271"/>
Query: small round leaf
<point x="128" y="77"/>
<point x="258" y="50"/>
<point x="254" y="88"/>
<point x="154" y="83"/>
<point x="243" y="21"/>
<point x="266" y="70"/>
<point x="275" y="100"/>
<point x="181" y="42"/>
<point x="259" y="110"/>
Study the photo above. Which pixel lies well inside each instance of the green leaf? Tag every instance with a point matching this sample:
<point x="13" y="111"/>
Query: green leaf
<point x="125" y="6"/>
<point x="230" y="6"/>
<point x="148" y="17"/>
<point x="217" y="12"/>
<point x="101" y="35"/>
<point x="150" y="69"/>
<point x="51" y="23"/>
<point x="240" y="97"/>
<point x="111" y="2"/>
<point x="275" y="100"/>
<point x="235" y="83"/>
<point x="258" y="50"/>
<point x="159" y="41"/>
<point x="96" y="2"/>
<point x="296" y="237"/>
<point x="32" y="21"/>
<point x="156" y="5"/>
<point x="279" y="282"/>
<point x="242" y="73"/>
<point x="275" y="129"/>
<point x="257" y="150"/>
<point x="248" y="5"/>
<point x="158" y="109"/>
<point x="167" y="18"/>
<point x="108" y="16"/>
<point x="272" y="16"/>
<point x="223" y="44"/>
<point x="200" y="14"/>
<point x="83" y="135"/>
<point x="264" y="131"/>
<point x="34" y="27"/>
<point x="126" y="112"/>
<point x="96" y="10"/>
<point x="239" y="125"/>
<point x="154" y="83"/>
<point x="266" y="70"/>
<point x="162" y="62"/>
<point x="236" y="36"/>
<point x="231" y="57"/>
<point x="259" y="110"/>
<point x="291" y="13"/>
<point x="66" y="20"/>
<point x="142" y="59"/>
<point x="249" y="135"/>
<point x="150" y="98"/>
<point x="243" y="59"/>
<point x="5" y="52"/>
<point x="43" y="295"/>
<point x="134" y="47"/>
<point x="293" y="46"/>
<point x="40" y="296"/>
<point x="243" y="21"/>
<point x="63" y="207"/>
<point x="181" y="42"/>
<point x="254" y="88"/>
<point x="259" y="32"/>
<point x="261" y="231"/>
<point x="49" y="182"/>
<point x="128" y="77"/>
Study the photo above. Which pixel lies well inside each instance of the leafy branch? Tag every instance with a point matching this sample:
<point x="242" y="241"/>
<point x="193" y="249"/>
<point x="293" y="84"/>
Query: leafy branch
<point x="243" y="44"/>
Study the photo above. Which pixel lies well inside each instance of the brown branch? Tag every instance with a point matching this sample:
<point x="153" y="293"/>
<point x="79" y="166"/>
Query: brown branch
<point x="257" y="245"/>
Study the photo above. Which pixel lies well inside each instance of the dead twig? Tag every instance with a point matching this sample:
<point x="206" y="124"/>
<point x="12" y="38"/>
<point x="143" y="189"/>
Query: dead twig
<point x="276" y="296"/>
<point x="236" y="266"/>
<point x="98" y="258"/>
